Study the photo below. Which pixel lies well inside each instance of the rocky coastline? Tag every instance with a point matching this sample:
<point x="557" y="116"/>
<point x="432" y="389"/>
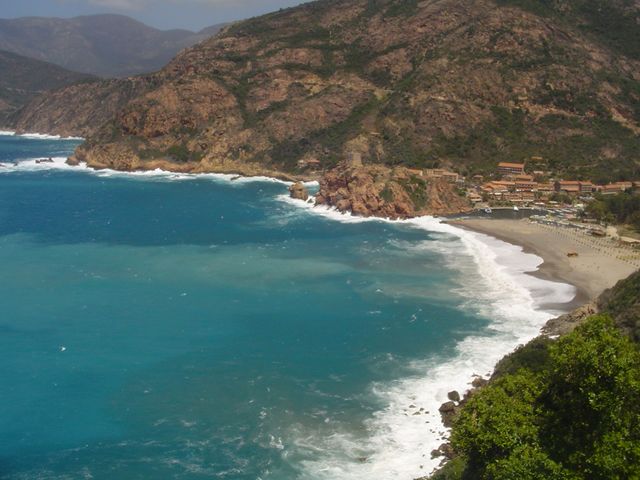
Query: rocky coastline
<point x="363" y="190"/>
<point x="108" y="158"/>
<point x="554" y="328"/>
<point x="380" y="191"/>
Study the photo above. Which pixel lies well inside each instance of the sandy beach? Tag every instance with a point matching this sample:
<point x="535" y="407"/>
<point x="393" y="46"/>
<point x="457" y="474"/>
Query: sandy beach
<point x="600" y="262"/>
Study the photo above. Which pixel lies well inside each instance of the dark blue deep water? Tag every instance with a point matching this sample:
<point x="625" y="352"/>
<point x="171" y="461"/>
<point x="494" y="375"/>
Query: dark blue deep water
<point x="168" y="327"/>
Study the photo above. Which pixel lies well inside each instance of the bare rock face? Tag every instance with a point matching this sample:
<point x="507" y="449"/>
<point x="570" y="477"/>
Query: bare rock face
<point x="375" y="190"/>
<point x="78" y="110"/>
<point x="299" y="191"/>
<point x="566" y="323"/>
<point x="448" y="412"/>
<point x="404" y="83"/>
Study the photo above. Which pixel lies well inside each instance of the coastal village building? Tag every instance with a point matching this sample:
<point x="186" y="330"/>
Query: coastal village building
<point x="517" y="186"/>
<point x="586" y="187"/>
<point x="311" y="163"/>
<point x="570" y="187"/>
<point x="474" y="197"/>
<point x="506" y="168"/>
<point x="495" y="187"/>
<point x="446" y="175"/>
<point x="546" y="187"/>
<point x="614" y="188"/>
<point x="525" y="183"/>
<point x="574" y="187"/>
<point x="450" y="177"/>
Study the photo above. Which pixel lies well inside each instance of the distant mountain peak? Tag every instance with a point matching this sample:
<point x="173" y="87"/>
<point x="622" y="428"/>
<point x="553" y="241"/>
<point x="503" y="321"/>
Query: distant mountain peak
<point x="420" y="84"/>
<point x="106" y="45"/>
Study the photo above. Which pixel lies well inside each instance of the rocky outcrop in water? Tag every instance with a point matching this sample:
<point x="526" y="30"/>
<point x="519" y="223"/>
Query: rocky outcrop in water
<point x="299" y="191"/>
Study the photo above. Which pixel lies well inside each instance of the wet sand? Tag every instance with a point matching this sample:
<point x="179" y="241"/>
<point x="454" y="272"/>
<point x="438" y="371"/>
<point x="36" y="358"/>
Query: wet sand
<point x="599" y="265"/>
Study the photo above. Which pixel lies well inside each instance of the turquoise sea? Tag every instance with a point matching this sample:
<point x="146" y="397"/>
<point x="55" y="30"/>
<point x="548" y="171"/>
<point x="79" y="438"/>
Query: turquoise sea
<point x="159" y="325"/>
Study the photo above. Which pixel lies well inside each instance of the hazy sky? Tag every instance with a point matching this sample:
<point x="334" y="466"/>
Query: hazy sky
<point x="165" y="14"/>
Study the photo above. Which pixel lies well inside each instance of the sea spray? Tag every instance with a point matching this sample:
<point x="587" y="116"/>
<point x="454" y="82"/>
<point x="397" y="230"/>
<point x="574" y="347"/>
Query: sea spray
<point x="236" y="333"/>
<point x="401" y="436"/>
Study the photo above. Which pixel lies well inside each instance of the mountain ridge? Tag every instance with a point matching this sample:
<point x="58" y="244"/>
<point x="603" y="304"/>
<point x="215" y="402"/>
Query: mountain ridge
<point x="100" y="45"/>
<point x="23" y="79"/>
<point x="397" y="82"/>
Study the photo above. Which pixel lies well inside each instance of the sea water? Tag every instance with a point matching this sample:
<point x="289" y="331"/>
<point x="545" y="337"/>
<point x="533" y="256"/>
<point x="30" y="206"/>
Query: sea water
<point x="159" y="325"/>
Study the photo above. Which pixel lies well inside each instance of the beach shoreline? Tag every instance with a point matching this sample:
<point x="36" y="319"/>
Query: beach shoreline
<point x="599" y="264"/>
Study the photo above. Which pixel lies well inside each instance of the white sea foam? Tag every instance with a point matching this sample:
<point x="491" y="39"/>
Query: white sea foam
<point x="494" y="280"/>
<point x="59" y="163"/>
<point x="32" y="165"/>
<point x="37" y="136"/>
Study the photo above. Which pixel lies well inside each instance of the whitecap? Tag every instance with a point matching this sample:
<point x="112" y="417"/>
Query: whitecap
<point x="493" y="278"/>
<point x="59" y="163"/>
<point x="44" y="136"/>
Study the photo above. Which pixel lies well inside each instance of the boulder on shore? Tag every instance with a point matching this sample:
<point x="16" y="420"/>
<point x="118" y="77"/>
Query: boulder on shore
<point x="299" y="191"/>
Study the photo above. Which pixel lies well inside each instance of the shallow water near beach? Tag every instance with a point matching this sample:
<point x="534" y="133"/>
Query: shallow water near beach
<point x="175" y="326"/>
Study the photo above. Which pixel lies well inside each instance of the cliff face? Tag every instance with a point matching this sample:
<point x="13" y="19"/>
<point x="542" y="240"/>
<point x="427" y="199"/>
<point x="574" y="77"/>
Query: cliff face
<point x="78" y="110"/>
<point x="379" y="191"/>
<point x="401" y="82"/>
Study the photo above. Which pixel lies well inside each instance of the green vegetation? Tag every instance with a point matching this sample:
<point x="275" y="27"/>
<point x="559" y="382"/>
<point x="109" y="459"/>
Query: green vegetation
<point x="402" y="8"/>
<point x="181" y="153"/>
<point x="386" y="194"/>
<point x="623" y="304"/>
<point x="328" y="140"/>
<point x="416" y="188"/>
<point x="511" y="135"/>
<point x="614" y="22"/>
<point x="621" y="208"/>
<point x="533" y="356"/>
<point x="564" y="410"/>
<point x="24" y="78"/>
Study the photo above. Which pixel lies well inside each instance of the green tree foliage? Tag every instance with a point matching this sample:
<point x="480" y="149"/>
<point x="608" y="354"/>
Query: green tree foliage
<point x="498" y="420"/>
<point x="527" y="463"/>
<point x="575" y="418"/>
<point x="591" y="405"/>
<point x="612" y="21"/>
<point x="622" y="208"/>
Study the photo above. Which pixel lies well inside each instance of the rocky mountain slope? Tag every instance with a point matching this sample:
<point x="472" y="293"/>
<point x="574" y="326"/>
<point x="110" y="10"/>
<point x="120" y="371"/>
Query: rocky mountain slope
<point x="22" y="79"/>
<point x="400" y="82"/>
<point x="102" y="45"/>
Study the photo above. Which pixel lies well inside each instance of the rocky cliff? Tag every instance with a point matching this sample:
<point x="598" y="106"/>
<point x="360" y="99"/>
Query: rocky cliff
<point x="380" y="191"/>
<point x="399" y="82"/>
<point x="78" y="110"/>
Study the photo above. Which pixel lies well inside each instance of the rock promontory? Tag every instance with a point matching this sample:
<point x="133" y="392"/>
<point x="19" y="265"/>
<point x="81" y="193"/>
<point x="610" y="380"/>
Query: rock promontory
<point x="380" y="191"/>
